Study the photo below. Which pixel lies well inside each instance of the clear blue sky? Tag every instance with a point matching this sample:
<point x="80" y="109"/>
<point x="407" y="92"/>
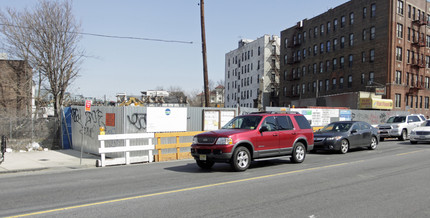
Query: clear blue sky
<point x="131" y="66"/>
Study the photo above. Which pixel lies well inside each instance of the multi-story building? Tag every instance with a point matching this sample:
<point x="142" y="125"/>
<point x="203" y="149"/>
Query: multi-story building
<point x="361" y="45"/>
<point x="252" y="73"/>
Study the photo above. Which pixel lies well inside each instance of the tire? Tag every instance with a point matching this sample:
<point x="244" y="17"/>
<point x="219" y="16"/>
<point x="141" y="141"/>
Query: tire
<point x="299" y="153"/>
<point x="381" y="139"/>
<point x="414" y="142"/>
<point x="373" y="143"/>
<point x="344" y="146"/>
<point x="205" y="164"/>
<point x="403" y="135"/>
<point x="241" y="159"/>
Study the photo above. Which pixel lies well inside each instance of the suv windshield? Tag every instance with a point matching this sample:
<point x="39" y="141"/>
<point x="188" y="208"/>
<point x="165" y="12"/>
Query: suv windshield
<point x="336" y="127"/>
<point x="243" y="122"/>
<point x="401" y="119"/>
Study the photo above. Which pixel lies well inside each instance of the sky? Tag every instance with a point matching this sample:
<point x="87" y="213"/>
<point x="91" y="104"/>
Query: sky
<point x="130" y="66"/>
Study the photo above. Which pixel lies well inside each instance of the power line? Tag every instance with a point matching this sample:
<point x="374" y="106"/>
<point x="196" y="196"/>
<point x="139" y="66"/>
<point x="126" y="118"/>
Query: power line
<point x="115" y="37"/>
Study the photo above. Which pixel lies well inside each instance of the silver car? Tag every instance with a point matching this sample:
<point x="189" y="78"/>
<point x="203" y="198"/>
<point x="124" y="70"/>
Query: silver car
<point x="421" y="134"/>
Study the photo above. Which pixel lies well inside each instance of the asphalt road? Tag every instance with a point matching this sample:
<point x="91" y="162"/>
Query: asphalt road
<point x="392" y="181"/>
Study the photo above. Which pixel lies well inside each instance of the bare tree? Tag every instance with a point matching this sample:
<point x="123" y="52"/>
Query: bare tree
<point x="47" y="37"/>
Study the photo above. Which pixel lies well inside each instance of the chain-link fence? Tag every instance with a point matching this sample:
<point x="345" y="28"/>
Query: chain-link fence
<point x="23" y="132"/>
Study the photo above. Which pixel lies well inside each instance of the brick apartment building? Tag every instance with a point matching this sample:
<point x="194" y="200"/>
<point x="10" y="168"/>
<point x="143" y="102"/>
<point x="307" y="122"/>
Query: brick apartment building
<point x="361" y="45"/>
<point x="15" y="88"/>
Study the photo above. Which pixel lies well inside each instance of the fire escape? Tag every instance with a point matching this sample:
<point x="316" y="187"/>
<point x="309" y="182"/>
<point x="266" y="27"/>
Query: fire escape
<point x="274" y="77"/>
<point x="294" y="59"/>
<point x="418" y="62"/>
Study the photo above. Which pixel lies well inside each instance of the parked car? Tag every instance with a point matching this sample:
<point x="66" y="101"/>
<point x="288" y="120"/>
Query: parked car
<point x="400" y="126"/>
<point x="253" y="136"/>
<point x="343" y="135"/>
<point x="421" y="133"/>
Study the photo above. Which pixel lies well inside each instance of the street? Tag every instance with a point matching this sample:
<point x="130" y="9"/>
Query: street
<point x="391" y="181"/>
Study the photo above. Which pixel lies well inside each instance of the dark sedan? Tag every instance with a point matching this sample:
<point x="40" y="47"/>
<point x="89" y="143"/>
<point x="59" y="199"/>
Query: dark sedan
<point x="343" y="135"/>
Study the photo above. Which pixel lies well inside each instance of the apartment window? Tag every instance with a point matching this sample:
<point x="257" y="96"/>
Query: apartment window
<point x="372" y="32"/>
<point x="409" y="11"/>
<point x="315" y="31"/>
<point x="408" y="52"/>
<point x="322" y="29"/>
<point x="399" y="30"/>
<point x="350" y="58"/>
<point x="349" y="81"/>
<point x="322" y="48"/>
<point x="426" y="84"/>
<point x="407" y="78"/>
<point x="416" y="101"/>
<point x="421" y="101"/>
<point x="398" y="100"/>
<point x="258" y="51"/>
<point x="363" y="57"/>
<point x="412" y="101"/>
<point x="351" y="39"/>
<point x="364" y="35"/>
<point x="342" y="41"/>
<point x="258" y="65"/>
<point x="328" y="46"/>
<point x="426" y="102"/>
<point x="314" y="86"/>
<point x="427" y="61"/>
<point x="373" y="10"/>
<point x="362" y="78"/>
<point x="372" y="55"/>
<point x="409" y="34"/>
<point x="327" y="66"/>
<point x="304" y="53"/>
<point x="400" y="7"/>
<point x="399" y="52"/>
<point x="320" y="86"/>
<point x="299" y="36"/>
<point x="334" y="63"/>
<point x="335" y="24"/>
<point x="398" y="77"/>
<point x="333" y="84"/>
<point x="341" y="62"/>
<point x="304" y="71"/>
<point x="315" y="49"/>
<point x="321" y="67"/>
<point x="334" y="44"/>
<point x="328" y="27"/>
<point x="315" y="68"/>
<point x="364" y="12"/>
<point x="342" y="21"/>
<point x="341" y="83"/>
<point x="351" y="18"/>
<point x="371" y="77"/>
<point x="303" y="88"/>
<point x="327" y="84"/>
<point x="304" y="36"/>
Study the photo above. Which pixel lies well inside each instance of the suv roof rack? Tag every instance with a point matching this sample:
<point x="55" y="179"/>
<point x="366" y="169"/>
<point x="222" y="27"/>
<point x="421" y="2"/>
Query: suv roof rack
<point x="275" y="112"/>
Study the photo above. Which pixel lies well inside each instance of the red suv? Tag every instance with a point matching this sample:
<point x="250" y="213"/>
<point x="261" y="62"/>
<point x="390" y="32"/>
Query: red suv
<point x="253" y="136"/>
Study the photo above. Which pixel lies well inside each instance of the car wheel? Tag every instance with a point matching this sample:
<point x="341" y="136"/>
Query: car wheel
<point x="344" y="146"/>
<point x="205" y="164"/>
<point x="403" y="135"/>
<point x="241" y="159"/>
<point x="414" y="142"/>
<point x="373" y="143"/>
<point x="299" y="153"/>
<point x="381" y="139"/>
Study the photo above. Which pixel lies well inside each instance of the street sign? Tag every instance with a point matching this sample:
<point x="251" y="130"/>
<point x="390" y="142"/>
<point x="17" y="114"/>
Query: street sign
<point x="88" y="105"/>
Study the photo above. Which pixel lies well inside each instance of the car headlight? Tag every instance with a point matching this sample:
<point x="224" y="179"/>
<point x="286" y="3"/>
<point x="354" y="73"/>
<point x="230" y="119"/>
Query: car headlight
<point x="413" y="132"/>
<point x="395" y="126"/>
<point x="224" y="141"/>
<point x="195" y="140"/>
<point x="334" y="138"/>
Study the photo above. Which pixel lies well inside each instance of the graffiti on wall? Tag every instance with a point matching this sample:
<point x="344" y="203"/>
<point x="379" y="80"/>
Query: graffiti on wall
<point x="138" y="120"/>
<point x="93" y="121"/>
<point x="373" y="117"/>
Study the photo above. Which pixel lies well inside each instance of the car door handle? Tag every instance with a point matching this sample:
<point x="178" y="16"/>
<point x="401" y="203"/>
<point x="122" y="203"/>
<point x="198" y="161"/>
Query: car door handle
<point x="293" y="133"/>
<point x="275" y="134"/>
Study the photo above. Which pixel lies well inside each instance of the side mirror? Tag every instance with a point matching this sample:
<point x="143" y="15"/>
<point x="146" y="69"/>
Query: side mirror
<point x="263" y="129"/>
<point x="353" y="131"/>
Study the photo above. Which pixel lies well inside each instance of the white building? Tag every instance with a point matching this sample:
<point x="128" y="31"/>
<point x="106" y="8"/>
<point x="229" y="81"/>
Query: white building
<point x="252" y="73"/>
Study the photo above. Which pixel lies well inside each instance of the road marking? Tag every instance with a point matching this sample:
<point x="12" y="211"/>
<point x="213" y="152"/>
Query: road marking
<point x="193" y="188"/>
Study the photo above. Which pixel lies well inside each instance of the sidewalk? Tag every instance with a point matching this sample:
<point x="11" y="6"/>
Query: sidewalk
<point x="43" y="160"/>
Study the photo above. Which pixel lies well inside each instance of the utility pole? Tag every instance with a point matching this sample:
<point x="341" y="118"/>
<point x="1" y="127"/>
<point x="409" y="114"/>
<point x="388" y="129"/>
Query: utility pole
<point x="205" y="65"/>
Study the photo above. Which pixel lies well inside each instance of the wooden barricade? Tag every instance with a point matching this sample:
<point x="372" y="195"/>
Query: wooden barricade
<point x="173" y="156"/>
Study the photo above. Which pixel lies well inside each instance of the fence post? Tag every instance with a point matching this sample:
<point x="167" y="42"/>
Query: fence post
<point x="159" y="149"/>
<point x="150" y="156"/>
<point x="127" y="153"/>
<point x="177" y="148"/>
<point x="102" y="155"/>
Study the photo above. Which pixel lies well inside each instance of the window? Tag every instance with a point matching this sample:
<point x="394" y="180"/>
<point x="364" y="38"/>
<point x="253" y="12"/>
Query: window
<point x="398" y="78"/>
<point x="409" y="11"/>
<point x="426" y="102"/>
<point x="364" y="12"/>
<point x="350" y="58"/>
<point x="399" y="30"/>
<point x="315" y="49"/>
<point x="327" y="66"/>
<point x="427" y="41"/>
<point x="321" y="67"/>
<point x="322" y="48"/>
<point x="372" y="32"/>
<point x="371" y="77"/>
<point x="327" y="85"/>
<point x="258" y="51"/>
<point x="362" y="78"/>
<point x="342" y="41"/>
<point x="334" y="24"/>
<point x="342" y="21"/>
<point x="333" y="84"/>
<point x="334" y="63"/>
<point x="315" y="68"/>
<point x="341" y="83"/>
<point x="304" y="53"/>
<point x="351" y="39"/>
<point x="407" y="78"/>
<point x="409" y="33"/>
<point x="349" y="81"/>
<point x="400" y="7"/>
<point x="328" y="27"/>
<point x="372" y="55"/>
<point x="373" y="10"/>
<point x="303" y="88"/>
<point x="320" y="86"/>
<point x="426" y="84"/>
<point x="363" y="57"/>
<point x="302" y="122"/>
<point x="398" y="100"/>
<point x="334" y="44"/>
<point x="421" y="101"/>
<point x="416" y="101"/>
<point x="328" y="46"/>
<point x="314" y="86"/>
<point x="408" y="56"/>
<point x="341" y="62"/>
<point x="351" y="18"/>
<point x="322" y="29"/>
<point x="364" y="35"/>
<point x="399" y="52"/>
<point x="315" y="31"/>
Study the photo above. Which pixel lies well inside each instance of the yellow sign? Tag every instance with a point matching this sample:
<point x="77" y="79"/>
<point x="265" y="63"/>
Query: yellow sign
<point x="375" y="103"/>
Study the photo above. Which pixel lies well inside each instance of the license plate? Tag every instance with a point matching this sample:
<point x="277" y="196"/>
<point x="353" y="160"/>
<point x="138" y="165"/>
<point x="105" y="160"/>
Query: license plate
<point x="202" y="157"/>
<point x="422" y="137"/>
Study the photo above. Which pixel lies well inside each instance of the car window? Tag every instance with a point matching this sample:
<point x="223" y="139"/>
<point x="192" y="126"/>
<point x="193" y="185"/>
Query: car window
<point x="303" y="122"/>
<point x="400" y="119"/>
<point x="427" y="123"/>
<point x="422" y="117"/>
<point x="413" y="119"/>
<point x="284" y="123"/>
<point x="243" y="122"/>
<point x="336" y="127"/>
<point x="270" y="123"/>
<point x="365" y="126"/>
<point x="356" y="127"/>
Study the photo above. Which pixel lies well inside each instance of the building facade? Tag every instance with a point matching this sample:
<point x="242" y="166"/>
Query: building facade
<point x="379" y="46"/>
<point x="252" y="73"/>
